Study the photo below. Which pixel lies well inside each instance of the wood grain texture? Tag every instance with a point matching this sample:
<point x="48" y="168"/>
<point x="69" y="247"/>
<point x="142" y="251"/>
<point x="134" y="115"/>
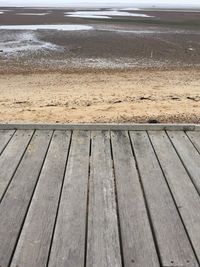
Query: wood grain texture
<point x="103" y="248"/>
<point x="68" y="248"/>
<point x="195" y="138"/>
<point x="11" y="156"/>
<point x="174" y="246"/>
<point x="184" y="192"/>
<point x="35" y="239"/>
<point x="137" y="240"/>
<point x="99" y="199"/>
<point x="14" y="205"/>
<point x="5" y="136"/>
<point x="188" y="154"/>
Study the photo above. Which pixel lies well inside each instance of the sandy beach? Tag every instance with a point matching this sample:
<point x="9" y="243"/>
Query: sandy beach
<point x="138" y="66"/>
<point x="111" y="96"/>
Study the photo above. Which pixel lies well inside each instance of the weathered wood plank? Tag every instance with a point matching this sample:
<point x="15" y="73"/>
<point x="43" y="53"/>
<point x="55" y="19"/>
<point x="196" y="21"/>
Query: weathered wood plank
<point x="68" y="246"/>
<point x="14" y="205"/>
<point x="137" y="240"/>
<point x="5" y="136"/>
<point x="103" y="247"/>
<point x="100" y="126"/>
<point x="197" y="128"/>
<point x="174" y="246"/>
<point x="188" y="154"/>
<point x="185" y="195"/>
<point x="11" y="156"/>
<point x="35" y="239"/>
<point x="195" y="138"/>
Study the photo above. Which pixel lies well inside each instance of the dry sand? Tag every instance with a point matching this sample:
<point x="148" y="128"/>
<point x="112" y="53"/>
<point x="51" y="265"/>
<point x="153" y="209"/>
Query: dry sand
<point x="112" y="96"/>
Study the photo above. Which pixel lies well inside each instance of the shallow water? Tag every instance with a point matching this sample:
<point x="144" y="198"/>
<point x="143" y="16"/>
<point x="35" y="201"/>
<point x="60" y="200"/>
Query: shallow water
<point x="104" y="14"/>
<point x="59" y="27"/>
<point x="32" y="14"/>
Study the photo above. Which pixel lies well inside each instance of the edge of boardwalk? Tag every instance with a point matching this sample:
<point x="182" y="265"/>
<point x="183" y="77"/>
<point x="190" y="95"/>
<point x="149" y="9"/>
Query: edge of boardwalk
<point x="101" y="127"/>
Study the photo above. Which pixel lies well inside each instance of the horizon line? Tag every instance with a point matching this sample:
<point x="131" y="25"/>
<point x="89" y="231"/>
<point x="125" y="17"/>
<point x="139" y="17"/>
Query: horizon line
<point x="184" y="7"/>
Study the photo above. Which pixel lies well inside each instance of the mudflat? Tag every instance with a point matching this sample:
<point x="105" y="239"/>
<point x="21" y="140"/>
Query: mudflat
<point x="136" y="39"/>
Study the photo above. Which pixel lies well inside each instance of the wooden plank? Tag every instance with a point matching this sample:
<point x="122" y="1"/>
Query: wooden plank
<point x="185" y="195"/>
<point x="195" y="139"/>
<point x="103" y="248"/>
<point x="137" y="240"/>
<point x="5" y="136"/>
<point x="69" y="239"/>
<point x="174" y="246"/>
<point x="11" y="156"/>
<point x="35" y="239"/>
<point x="101" y="126"/>
<point x="188" y="154"/>
<point x="197" y="128"/>
<point x="15" y="203"/>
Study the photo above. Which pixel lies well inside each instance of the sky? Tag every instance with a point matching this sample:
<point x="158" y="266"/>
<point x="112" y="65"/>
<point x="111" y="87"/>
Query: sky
<point x="103" y="3"/>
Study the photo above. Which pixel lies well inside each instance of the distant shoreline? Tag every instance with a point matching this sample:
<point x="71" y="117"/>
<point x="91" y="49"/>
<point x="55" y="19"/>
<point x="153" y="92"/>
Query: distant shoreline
<point x="101" y="6"/>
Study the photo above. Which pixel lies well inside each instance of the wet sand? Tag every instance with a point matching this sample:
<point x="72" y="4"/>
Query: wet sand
<point x="165" y="40"/>
<point x="125" y="96"/>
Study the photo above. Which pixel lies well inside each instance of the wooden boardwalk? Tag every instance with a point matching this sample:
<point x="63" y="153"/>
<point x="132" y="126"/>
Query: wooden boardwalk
<point x="96" y="198"/>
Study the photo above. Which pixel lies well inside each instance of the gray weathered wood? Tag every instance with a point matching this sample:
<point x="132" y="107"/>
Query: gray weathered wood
<point x="185" y="195"/>
<point x="195" y="138"/>
<point x="197" y="128"/>
<point x="101" y="126"/>
<point x="14" y="205"/>
<point x="188" y="154"/>
<point x="5" y="136"/>
<point x="137" y="240"/>
<point x="11" y="156"/>
<point x="45" y="224"/>
<point x="174" y="246"/>
<point x="103" y="248"/>
<point x="68" y="246"/>
<point x="35" y="239"/>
